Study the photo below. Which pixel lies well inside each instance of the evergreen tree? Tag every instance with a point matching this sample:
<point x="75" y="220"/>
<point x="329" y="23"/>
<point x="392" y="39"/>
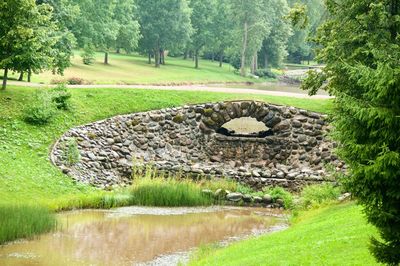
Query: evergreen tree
<point x="361" y="47"/>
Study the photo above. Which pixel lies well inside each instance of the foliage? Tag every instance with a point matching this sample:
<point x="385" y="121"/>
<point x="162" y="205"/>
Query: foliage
<point x="41" y="110"/>
<point x="27" y="37"/>
<point x="24" y="221"/>
<point x="280" y="193"/>
<point x="335" y="235"/>
<point x="71" y="153"/>
<point x="165" y="24"/>
<point x="360" y="45"/>
<point x="316" y="195"/>
<point x="88" y="54"/>
<point x="62" y="97"/>
<point x="265" y="73"/>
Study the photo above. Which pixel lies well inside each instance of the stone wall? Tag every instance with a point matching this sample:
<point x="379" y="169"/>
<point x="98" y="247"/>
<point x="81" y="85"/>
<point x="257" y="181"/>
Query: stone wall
<point x="185" y="139"/>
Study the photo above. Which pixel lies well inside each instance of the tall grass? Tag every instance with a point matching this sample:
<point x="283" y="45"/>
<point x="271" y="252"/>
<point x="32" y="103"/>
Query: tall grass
<point x="24" y="222"/>
<point x="169" y="192"/>
<point x="315" y="196"/>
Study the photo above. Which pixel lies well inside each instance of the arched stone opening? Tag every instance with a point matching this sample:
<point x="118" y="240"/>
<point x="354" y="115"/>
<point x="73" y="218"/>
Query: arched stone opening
<point x="245" y="127"/>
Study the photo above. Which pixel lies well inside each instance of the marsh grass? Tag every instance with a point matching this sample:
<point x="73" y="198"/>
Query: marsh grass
<point x="152" y="187"/>
<point x="24" y="222"/>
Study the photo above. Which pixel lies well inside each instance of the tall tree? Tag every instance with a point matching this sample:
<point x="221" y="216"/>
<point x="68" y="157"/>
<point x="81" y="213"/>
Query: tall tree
<point x="129" y="33"/>
<point x="164" y="24"/>
<point x="222" y="30"/>
<point x="361" y="48"/>
<point x="299" y="47"/>
<point x="26" y="37"/>
<point x="201" y="18"/>
<point x="274" y="49"/>
<point x="251" y="17"/>
<point x="97" y="25"/>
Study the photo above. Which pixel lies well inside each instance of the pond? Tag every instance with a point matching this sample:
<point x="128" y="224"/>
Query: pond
<point x="139" y="235"/>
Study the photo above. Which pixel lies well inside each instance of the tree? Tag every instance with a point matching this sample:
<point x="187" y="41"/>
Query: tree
<point x="299" y="47"/>
<point x="129" y="33"/>
<point x="274" y="48"/>
<point x="97" y="25"/>
<point x="164" y="24"/>
<point x="251" y="17"/>
<point x="201" y="18"/>
<point x="360" y="44"/>
<point x="222" y="30"/>
<point x="27" y="37"/>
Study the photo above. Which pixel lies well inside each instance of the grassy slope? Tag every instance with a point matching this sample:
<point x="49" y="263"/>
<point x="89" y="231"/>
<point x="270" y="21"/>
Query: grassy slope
<point x="134" y="69"/>
<point x="335" y="235"/>
<point x="25" y="171"/>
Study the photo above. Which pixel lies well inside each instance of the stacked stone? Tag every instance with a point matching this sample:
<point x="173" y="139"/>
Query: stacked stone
<point x="185" y="139"/>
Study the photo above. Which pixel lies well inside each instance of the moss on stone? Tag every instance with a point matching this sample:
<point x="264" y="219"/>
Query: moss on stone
<point x="208" y="112"/>
<point x="179" y="118"/>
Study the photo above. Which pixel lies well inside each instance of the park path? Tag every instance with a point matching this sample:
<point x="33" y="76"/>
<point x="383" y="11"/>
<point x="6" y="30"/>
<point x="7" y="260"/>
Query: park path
<point x="199" y="88"/>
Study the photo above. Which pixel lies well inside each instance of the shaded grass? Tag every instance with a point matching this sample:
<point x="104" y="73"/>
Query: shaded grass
<point x="335" y="235"/>
<point x="24" y="222"/>
<point x="134" y="69"/>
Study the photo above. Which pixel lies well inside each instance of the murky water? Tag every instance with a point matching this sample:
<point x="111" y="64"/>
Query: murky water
<point x="129" y="236"/>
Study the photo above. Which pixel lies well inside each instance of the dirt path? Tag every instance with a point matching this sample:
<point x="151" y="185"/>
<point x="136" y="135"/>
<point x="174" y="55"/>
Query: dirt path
<point x="206" y="88"/>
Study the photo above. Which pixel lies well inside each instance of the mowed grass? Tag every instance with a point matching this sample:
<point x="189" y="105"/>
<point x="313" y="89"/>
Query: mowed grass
<point x="134" y="69"/>
<point x="335" y="235"/>
<point x="26" y="174"/>
<point x="24" y="222"/>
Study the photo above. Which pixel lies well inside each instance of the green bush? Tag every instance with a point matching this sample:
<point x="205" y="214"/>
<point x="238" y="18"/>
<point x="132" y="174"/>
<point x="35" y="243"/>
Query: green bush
<point x="41" y="109"/>
<point x="265" y="73"/>
<point x="317" y="195"/>
<point x="280" y="193"/>
<point x="88" y="55"/>
<point x="24" y="222"/>
<point x="61" y="96"/>
<point x="71" y="153"/>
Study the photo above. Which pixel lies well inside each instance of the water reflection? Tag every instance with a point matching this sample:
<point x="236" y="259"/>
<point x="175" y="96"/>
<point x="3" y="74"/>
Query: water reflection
<point x="104" y="238"/>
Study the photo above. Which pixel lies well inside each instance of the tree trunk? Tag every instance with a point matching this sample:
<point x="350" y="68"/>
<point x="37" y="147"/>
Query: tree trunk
<point x="266" y="60"/>
<point x="255" y="61"/>
<point x="162" y="57"/>
<point x="5" y="77"/>
<point x="212" y="57"/>
<point x="221" y="57"/>
<point x="21" y="76"/>
<point x="185" y="55"/>
<point x="149" y="54"/>
<point x="253" y="64"/>
<point x="244" y="48"/>
<point x="157" y="56"/>
<point x="196" y="55"/>
<point x="29" y="75"/>
<point x="118" y="50"/>
<point x="106" y="58"/>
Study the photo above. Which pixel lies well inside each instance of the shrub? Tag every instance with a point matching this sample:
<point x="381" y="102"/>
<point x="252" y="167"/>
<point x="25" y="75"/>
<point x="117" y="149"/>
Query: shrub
<point x="317" y="195"/>
<point x="41" y="110"/>
<point x="265" y="73"/>
<point x="24" y="222"/>
<point x="75" y="81"/>
<point x="71" y="153"/>
<point x="88" y="55"/>
<point x="280" y="193"/>
<point x="61" y="96"/>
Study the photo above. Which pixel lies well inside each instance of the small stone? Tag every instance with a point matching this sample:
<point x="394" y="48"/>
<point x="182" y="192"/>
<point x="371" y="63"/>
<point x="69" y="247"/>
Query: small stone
<point x="247" y="198"/>
<point x="215" y="159"/>
<point x="235" y="197"/>
<point x="255" y="173"/>
<point x="267" y="199"/>
<point x="257" y="199"/>
<point x="280" y="202"/>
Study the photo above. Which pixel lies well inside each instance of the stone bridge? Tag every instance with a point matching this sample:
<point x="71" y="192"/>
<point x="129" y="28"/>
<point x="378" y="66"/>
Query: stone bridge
<point x="192" y="139"/>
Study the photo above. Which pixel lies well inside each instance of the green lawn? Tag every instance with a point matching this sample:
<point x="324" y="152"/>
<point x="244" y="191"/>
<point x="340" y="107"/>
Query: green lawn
<point x="336" y="235"/>
<point x="26" y="175"/>
<point x="134" y="69"/>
